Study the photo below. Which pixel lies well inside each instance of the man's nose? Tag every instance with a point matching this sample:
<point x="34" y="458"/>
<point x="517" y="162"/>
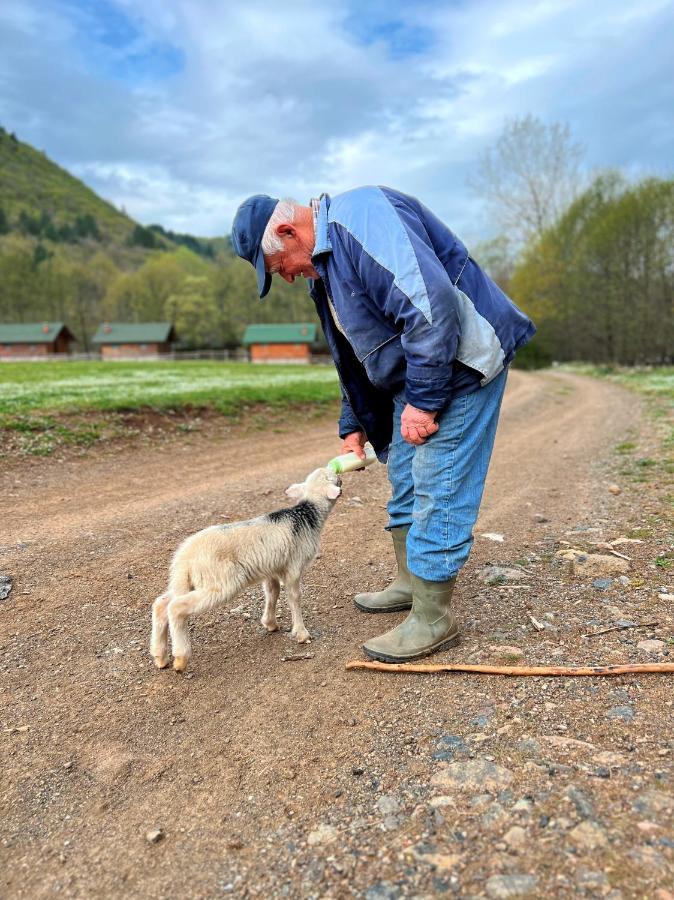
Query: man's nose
<point x="287" y="277"/>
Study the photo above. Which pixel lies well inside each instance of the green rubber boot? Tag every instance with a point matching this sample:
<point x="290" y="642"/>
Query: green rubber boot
<point x="429" y="627"/>
<point x="398" y="595"/>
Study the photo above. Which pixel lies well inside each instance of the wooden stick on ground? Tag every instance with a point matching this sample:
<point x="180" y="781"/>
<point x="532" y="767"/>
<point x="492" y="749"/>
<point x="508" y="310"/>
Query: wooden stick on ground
<point x="621" y="628"/>
<point x="628" y="669"/>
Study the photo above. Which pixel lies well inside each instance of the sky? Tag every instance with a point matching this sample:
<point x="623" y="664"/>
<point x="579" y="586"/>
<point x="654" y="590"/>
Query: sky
<point x="176" y="110"/>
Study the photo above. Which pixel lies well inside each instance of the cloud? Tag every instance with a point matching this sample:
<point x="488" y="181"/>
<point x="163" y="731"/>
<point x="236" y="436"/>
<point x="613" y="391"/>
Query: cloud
<point x="178" y="111"/>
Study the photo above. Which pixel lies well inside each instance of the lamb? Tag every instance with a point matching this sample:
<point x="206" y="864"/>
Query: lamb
<point x="214" y="565"/>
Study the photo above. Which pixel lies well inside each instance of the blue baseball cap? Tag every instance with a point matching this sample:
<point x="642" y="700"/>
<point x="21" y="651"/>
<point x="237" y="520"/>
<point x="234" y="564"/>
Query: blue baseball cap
<point x="248" y="227"/>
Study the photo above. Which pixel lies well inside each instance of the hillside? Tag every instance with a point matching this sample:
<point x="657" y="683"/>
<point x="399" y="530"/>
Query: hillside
<point x="33" y="184"/>
<point x="66" y="255"/>
<point x="40" y="200"/>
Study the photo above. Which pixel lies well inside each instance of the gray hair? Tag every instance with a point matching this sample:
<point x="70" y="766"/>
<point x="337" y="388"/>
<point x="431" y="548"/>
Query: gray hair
<point x="284" y="211"/>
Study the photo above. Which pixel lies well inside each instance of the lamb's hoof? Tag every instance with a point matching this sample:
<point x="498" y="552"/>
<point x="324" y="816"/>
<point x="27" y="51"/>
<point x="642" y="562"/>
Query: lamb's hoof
<point x="161" y="661"/>
<point x="273" y="626"/>
<point x="302" y="637"/>
<point x="180" y="663"/>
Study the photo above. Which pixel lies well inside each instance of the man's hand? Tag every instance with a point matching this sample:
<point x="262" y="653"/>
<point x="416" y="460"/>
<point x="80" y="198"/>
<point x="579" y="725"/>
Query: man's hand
<point x="417" y="425"/>
<point x="354" y="443"/>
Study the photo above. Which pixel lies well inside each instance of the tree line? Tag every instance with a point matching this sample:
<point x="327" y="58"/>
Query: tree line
<point x="209" y="304"/>
<point x="591" y="260"/>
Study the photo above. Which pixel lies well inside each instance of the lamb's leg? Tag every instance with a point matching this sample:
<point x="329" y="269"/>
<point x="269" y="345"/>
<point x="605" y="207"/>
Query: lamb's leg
<point x="179" y="610"/>
<point x="159" y="638"/>
<point x="294" y="596"/>
<point x="271" y="589"/>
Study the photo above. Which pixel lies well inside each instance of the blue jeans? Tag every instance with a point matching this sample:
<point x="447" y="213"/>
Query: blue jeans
<point x="437" y="486"/>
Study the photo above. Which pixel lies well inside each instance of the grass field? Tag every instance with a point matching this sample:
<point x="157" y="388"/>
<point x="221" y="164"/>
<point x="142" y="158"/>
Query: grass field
<point x="45" y="406"/>
<point x="65" y="387"/>
<point x="658" y="381"/>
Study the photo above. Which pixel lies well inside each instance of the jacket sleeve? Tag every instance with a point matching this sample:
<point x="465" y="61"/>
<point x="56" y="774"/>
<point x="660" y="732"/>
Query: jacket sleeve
<point x="348" y="423"/>
<point x="402" y="276"/>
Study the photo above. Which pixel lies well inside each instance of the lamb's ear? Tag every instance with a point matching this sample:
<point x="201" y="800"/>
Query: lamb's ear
<point x="333" y="492"/>
<point x="295" y="491"/>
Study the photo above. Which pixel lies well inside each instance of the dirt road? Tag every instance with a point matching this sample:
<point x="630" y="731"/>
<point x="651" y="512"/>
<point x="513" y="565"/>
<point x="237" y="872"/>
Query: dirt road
<point x="278" y="778"/>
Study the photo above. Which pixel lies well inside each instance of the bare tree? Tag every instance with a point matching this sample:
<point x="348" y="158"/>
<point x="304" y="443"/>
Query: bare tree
<point x="529" y="178"/>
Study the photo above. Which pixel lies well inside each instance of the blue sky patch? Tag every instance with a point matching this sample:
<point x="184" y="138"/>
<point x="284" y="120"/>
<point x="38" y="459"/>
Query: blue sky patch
<point x="117" y="47"/>
<point x="379" y="23"/>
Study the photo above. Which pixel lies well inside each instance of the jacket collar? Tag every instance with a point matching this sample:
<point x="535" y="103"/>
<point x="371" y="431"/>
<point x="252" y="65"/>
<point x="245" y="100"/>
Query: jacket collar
<point x="322" y="244"/>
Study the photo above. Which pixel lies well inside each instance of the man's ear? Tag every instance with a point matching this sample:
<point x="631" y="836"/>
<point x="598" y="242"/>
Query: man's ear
<point x="286" y="229"/>
<point x="295" y="491"/>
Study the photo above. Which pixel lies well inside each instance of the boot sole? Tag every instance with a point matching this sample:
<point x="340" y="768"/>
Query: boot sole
<point x="401" y="607"/>
<point x="384" y="657"/>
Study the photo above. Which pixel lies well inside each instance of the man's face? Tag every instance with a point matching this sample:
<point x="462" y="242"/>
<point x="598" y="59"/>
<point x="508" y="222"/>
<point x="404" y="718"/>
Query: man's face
<point x="295" y="258"/>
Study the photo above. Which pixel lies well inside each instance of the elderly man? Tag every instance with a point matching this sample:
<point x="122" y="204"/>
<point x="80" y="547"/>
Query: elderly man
<point x="422" y="339"/>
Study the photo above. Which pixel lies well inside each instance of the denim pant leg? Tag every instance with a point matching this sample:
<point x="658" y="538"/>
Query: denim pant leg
<point x="448" y="475"/>
<point x="399" y="471"/>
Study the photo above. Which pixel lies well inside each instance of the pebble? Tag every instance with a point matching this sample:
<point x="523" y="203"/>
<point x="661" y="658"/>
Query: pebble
<point x="383" y="890"/>
<point x="581" y="563"/>
<point x="652" y="803"/>
<point x="499" y="574"/>
<point x="324" y="834"/>
<point x="445" y="861"/>
<point x="624" y="713"/>
<point x="529" y="747"/>
<point x="451" y="746"/>
<point x="442" y="801"/>
<point x="5" y="586"/>
<point x="588" y="836"/>
<point x="472" y="775"/>
<point x="651" y="646"/>
<point x="523" y="806"/>
<point x="503" y="887"/>
<point x="602" y="584"/>
<point x="154" y="836"/>
<point x="647" y="826"/>
<point x="593" y="881"/>
<point x="581" y="803"/>
<point x="515" y="837"/>
<point x="493" y="815"/>
<point x="388" y="805"/>
<point x="613" y="489"/>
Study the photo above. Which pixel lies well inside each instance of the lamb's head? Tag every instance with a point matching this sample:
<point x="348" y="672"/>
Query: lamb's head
<point x="322" y="484"/>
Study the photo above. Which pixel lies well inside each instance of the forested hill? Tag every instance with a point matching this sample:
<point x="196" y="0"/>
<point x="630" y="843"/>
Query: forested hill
<point x="34" y="192"/>
<point x="68" y="255"/>
<point x="40" y="199"/>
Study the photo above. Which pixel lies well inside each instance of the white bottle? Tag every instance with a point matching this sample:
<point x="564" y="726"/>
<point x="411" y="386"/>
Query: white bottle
<point x="347" y="462"/>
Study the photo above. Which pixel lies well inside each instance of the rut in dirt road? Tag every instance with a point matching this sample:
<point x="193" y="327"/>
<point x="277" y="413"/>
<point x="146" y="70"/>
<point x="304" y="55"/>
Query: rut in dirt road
<point x="263" y="774"/>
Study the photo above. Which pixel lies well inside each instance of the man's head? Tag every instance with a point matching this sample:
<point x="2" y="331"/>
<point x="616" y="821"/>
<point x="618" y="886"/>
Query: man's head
<point x="275" y="236"/>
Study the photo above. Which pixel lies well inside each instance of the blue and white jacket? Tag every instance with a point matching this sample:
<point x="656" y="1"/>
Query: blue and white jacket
<point x="408" y="302"/>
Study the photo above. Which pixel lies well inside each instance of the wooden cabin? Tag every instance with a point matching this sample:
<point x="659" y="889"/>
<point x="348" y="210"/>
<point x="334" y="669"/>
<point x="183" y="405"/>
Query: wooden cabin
<point x="26" y="340"/>
<point x="291" y="343"/>
<point x="125" y="340"/>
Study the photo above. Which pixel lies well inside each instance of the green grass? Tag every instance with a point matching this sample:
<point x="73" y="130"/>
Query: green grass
<point x="45" y="406"/>
<point x="29" y="389"/>
<point x="657" y="381"/>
